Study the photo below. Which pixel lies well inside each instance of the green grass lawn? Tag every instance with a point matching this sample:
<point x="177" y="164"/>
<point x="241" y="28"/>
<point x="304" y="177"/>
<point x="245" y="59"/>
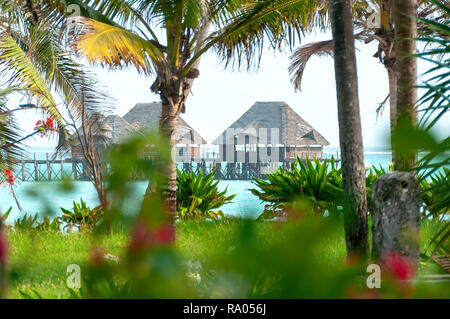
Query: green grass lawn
<point x="39" y="260"/>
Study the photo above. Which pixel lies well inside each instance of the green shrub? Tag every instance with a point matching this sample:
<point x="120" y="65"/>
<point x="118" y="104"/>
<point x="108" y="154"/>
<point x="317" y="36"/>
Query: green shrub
<point x="321" y="185"/>
<point x="50" y="225"/>
<point x="318" y="183"/>
<point x="433" y="192"/>
<point x="30" y="223"/>
<point x="26" y="222"/>
<point x="198" y="196"/>
<point x="81" y="216"/>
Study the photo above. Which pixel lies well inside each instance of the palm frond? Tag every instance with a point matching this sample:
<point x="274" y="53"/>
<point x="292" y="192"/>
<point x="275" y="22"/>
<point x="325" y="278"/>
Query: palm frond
<point x="242" y="33"/>
<point x="17" y="63"/>
<point x="24" y="75"/>
<point x="113" y="46"/>
<point x="9" y="134"/>
<point x="301" y="56"/>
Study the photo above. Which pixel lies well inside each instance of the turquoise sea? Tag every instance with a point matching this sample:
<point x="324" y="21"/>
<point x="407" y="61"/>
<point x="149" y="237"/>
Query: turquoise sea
<point x="48" y="196"/>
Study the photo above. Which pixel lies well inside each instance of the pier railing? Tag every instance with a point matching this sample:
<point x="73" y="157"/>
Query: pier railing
<point x="46" y="168"/>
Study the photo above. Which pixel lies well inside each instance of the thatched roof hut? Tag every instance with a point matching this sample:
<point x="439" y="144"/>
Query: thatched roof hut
<point x="147" y="115"/>
<point x="293" y="130"/>
<point x="106" y="130"/>
<point x="117" y="128"/>
<point x="271" y="126"/>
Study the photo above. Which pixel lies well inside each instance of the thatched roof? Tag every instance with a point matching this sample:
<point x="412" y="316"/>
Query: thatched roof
<point x="293" y="130"/>
<point x="147" y="115"/>
<point x="107" y="129"/>
<point x="117" y="128"/>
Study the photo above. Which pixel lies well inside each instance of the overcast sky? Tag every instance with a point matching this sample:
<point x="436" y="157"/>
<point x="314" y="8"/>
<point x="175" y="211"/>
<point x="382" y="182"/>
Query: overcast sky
<point x="221" y="96"/>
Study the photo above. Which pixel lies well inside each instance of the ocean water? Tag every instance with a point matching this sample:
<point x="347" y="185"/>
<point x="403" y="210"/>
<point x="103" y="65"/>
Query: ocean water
<point x="48" y="197"/>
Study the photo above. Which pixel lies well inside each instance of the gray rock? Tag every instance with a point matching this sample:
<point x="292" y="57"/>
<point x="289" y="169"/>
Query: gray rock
<point x="395" y="217"/>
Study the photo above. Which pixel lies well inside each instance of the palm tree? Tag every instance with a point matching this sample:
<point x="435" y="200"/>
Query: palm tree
<point x="405" y="13"/>
<point x="367" y="29"/>
<point x="353" y="172"/>
<point x="39" y="66"/>
<point x="119" y="33"/>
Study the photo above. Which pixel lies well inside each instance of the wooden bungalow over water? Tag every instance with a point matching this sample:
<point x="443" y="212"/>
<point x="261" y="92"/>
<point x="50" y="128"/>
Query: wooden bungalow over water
<point x="270" y="132"/>
<point x="111" y="129"/>
<point x="147" y="116"/>
<point x="115" y="129"/>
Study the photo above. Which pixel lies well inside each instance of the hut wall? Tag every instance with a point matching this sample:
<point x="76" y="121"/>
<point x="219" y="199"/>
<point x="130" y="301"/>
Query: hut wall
<point x="252" y="154"/>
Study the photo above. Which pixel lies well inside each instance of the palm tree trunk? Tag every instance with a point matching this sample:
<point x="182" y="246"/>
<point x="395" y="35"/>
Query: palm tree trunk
<point x="353" y="171"/>
<point x="168" y="125"/>
<point x="168" y="169"/>
<point x="392" y="102"/>
<point x="387" y="43"/>
<point x="405" y="13"/>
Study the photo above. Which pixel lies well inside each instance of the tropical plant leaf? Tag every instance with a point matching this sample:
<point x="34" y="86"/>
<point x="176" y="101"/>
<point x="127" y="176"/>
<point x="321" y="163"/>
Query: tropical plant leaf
<point x="111" y="46"/>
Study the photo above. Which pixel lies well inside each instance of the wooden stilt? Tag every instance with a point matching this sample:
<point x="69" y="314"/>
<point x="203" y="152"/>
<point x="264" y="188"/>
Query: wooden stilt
<point x="49" y="171"/>
<point x="36" y="169"/>
<point x="62" y="167"/>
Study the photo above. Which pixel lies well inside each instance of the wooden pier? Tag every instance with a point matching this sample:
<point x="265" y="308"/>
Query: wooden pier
<point x="48" y="169"/>
<point x="33" y="169"/>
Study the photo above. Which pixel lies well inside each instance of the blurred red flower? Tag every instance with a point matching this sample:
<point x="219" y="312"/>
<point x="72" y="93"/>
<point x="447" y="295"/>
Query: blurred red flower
<point x="143" y="238"/>
<point x="9" y="176"/>
<point x="165" y="234"/>
<point x="398" y="266"/>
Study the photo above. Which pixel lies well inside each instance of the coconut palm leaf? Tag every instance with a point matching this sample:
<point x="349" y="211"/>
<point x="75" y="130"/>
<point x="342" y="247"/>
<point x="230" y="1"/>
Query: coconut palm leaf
<point x="362" y="11"/>
<point x="23" y="74"/>
<point x="9" y="135"/>
<point x="301" y="56"/>
<point x="111" y="46"/>
<point x="112" y="12"/>
<point x="15" y="61"/>
<point x="242" y="27"/>
<point x="244" y="31"/>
